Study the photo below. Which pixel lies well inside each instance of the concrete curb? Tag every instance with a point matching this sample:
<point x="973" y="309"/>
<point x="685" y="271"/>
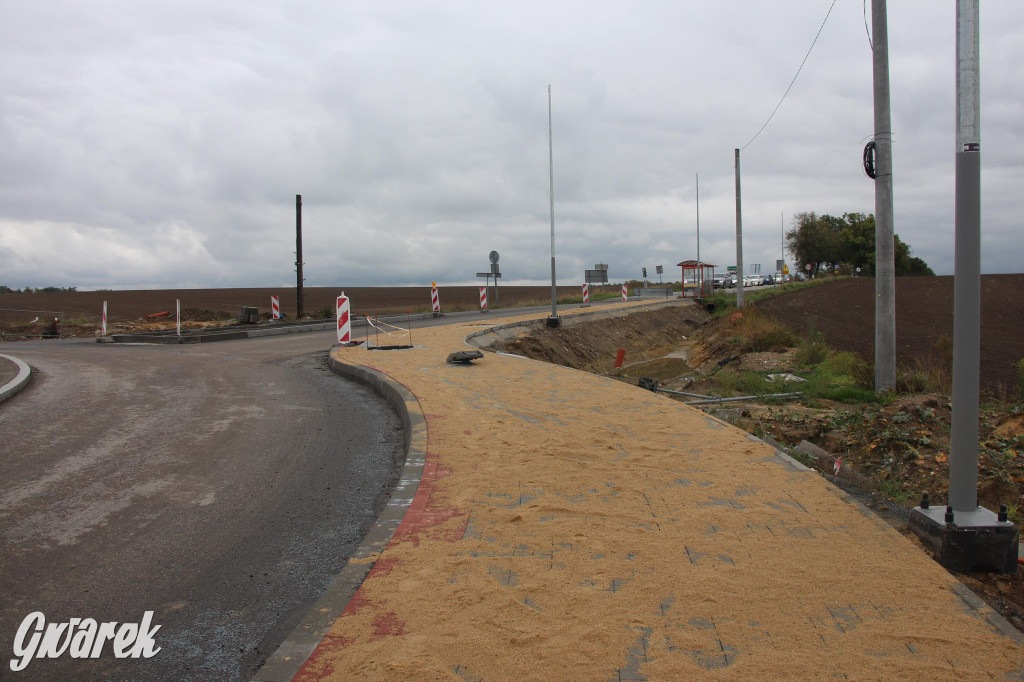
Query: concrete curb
<point x="293" y="652"/>
<point x="17" y="383"/>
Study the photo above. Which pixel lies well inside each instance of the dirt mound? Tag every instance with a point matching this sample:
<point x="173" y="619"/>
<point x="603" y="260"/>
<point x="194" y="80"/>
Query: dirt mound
<point x="844" y="312"/>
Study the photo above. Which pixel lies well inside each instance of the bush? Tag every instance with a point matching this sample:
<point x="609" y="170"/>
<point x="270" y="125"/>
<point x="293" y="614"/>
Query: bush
<point x="912" y="381"/>
<point x="759" y="332"/>
<point x="813" y="350"/>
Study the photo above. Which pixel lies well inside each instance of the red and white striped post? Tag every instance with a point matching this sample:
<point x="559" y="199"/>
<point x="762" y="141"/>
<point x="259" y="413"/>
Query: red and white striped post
<point x="177" y="315"/>
<point x="625" y="293"/>
<point x="103" y="327"/>
<point x="586" y="293"/>
<point x="275" y="307"/>
<point x="344" y="308"/>
<point x="483" y="299"/>
<point x="435" y="303"/>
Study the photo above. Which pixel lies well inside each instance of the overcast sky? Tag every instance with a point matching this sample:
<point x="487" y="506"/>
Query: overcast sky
<point x="161" y="144"/>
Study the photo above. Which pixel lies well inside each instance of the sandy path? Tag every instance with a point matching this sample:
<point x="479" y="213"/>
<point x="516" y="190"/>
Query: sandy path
<point x="576" y="528"/>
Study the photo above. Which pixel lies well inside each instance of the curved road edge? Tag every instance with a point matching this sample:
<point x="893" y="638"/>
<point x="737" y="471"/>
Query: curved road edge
<point x="289" y="657"/>
<point x="19" y="382"/>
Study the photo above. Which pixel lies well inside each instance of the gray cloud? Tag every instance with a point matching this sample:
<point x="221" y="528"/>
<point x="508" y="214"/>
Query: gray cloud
<point x="163" y="146"/>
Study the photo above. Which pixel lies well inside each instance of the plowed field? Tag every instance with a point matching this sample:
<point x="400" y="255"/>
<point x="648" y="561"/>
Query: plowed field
<point x="844" y="312"/>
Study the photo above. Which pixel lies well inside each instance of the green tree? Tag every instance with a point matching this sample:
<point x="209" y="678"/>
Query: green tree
<point x="848" y="242"/>
<point x="812" y="241"/>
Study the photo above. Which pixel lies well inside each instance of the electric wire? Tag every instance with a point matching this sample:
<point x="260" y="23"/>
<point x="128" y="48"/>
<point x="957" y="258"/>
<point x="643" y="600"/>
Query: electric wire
<point x="867" y="30"/>
<point x="813" y="42"/>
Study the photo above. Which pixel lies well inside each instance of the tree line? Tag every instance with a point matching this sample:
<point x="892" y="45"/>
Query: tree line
<point x="845" y="244"/>
<point x="38" y="290"/>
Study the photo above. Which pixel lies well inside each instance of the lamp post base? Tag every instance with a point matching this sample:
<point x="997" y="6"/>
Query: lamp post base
<point x="971" y="541"/>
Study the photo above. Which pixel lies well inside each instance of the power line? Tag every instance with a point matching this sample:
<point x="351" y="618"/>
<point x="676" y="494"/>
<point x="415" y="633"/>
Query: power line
<point x="794" y="77"/>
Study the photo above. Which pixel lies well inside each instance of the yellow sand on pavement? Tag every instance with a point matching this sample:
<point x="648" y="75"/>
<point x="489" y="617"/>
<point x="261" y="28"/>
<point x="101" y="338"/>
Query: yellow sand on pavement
<point x="572" y="527"/>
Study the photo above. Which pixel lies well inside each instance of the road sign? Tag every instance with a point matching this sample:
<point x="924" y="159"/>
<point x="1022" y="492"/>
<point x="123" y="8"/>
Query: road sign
<point x="730" y="268"/>
<point x="493" y="255"/>
<point x="807" y="267"/>
<point x="488" y="274"/>
<point x="785" y="269"/>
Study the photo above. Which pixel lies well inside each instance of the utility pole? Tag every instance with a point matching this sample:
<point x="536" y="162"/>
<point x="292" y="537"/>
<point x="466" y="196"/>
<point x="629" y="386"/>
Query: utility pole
<point x="885" y="265"/>
<point x="700" y="268"/>
<point x="298" y="255"/>
<point x="739" y="237"/>
<point x="553" y="320"/>
<point x="963" y="452"/>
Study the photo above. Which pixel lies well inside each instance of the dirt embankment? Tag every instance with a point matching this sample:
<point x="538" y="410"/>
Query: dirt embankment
<point x="592" y="346"/>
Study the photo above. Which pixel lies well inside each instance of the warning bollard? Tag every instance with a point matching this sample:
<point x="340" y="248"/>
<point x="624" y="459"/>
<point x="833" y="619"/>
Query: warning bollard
<point x="344" y="323"/>
<point x="103" y="331"/>
<point x="435" y="304"/>
<point x="586" y="293"/>
<point x="483" y="299"/>
<point x="625" y="293"/>
<point x="275" y="307"/>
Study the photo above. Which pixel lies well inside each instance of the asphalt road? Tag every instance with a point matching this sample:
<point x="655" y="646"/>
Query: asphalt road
<point x="221" y="486"/>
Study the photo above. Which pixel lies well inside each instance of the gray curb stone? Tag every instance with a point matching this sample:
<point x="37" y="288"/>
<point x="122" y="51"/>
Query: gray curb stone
<point x="17" y="383"/>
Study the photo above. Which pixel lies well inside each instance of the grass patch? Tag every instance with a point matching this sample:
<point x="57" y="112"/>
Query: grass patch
<point x="731" y="382"/>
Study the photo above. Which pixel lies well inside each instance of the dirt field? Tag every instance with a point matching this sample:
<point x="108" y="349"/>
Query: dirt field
<point x="82" y="310"/>
<point x="844" y="312"/>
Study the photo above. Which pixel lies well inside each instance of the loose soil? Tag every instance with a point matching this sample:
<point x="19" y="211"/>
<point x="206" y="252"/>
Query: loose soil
<point x="574" y="527"/>
<point x="900" y="450"/>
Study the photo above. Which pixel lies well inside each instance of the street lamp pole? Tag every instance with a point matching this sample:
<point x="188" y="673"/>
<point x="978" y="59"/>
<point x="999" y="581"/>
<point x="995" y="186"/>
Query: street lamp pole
<point x="553" y="320"/>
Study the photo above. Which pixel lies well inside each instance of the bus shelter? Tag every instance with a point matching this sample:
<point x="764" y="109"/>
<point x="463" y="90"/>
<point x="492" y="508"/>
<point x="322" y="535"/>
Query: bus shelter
<point x="698" y="278"/>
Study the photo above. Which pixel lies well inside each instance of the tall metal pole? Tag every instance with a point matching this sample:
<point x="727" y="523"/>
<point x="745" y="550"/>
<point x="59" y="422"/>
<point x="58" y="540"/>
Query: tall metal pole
<point x="782" y="239"/>
<point x="963" y="453"/>
<point x="298" y="255"/>
<point x="551" y="178"/>
<point x="885" y="264"/>
<point x="700" y="269"/>
<point x="739" y="237"/>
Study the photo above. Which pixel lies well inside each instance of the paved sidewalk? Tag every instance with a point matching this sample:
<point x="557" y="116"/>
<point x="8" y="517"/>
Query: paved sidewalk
<point x="572" y="527"/>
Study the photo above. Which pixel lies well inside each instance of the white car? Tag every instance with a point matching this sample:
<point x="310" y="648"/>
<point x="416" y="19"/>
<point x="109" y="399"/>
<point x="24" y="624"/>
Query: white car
<point x="751" y="281"/>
